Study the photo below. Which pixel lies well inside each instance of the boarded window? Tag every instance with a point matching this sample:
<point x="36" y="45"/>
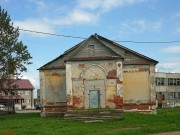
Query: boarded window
<point x="90" y="50"/>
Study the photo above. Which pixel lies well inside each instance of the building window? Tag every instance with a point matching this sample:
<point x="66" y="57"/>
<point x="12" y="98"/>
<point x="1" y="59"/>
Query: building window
<point x="19" y="101"/>
<point x="27" y="101"/>
<point x="159" y="81"/>
<point x="178" y="81"/>
<point x="178" y="95"/>
<point x="173" y="81"/>
<point x="19" y="93"/>
<point x="163" y="97"/>
<point x="90" y="50"/>
<point x="6" y="93"/>
<point x="27" y="93"/>
<point x="172" y="95"/>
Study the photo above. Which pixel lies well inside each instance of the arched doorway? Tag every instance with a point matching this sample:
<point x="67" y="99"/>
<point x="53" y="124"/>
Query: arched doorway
<point x="94" y="77"/>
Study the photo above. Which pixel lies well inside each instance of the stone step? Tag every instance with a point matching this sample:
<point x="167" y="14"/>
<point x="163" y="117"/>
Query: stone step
<point x="91" y="118"/>
<point x="93" y="114"/>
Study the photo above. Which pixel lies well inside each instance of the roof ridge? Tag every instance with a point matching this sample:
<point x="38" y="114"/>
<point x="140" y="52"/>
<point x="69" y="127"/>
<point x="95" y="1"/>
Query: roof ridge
<point x="81" y="44"/>
<point x="65" y="52"/>
<point x="96" y="36"/>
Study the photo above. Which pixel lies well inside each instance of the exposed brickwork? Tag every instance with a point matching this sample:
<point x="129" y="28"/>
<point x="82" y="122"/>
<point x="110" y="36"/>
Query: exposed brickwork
<point x="118" y="81"/>
<point x="144" y="70"/>
<point x="112" y="74"/>
<point x="81" y="66"/>
<point x="50" y="103"/>
<point x="76" y="100"/>
<point x="117" y="100"/>
<point x="55" y="108"/>
<point x="142" y="106"/>
<point x="119" y="65"/>
<point x="70" y="107"/>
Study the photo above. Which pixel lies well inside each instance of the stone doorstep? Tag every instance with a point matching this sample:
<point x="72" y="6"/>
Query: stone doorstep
<point x="93" y="114"/>
<point x="95" y="111"/>
<point x="74" y="115"/>
<point x="91" y="118"/>
<point x="82" y="115"/>
<point x="105" y="112"/>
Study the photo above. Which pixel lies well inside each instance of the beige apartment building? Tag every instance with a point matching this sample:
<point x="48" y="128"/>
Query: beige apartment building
<point x="168" y="89"/>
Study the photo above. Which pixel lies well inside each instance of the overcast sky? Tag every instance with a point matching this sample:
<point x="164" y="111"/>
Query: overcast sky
<point x="118" y="20"/>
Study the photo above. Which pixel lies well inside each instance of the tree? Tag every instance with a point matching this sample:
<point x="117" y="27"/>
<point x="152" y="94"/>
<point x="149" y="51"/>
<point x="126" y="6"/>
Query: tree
<point x="14" y="54"/>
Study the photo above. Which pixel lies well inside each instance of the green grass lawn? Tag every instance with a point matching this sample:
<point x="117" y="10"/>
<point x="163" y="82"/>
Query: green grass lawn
<point x="131" y="124"/>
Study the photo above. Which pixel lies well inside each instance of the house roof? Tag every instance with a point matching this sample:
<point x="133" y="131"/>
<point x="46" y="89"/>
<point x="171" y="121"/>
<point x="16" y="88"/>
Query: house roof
<point x="11" y="97"/>
<point x="22" y="84"/>
<point x="68" y="55"/>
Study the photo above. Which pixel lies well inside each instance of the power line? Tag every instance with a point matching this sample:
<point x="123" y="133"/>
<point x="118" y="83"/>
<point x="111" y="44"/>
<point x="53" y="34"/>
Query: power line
<point x="127" y="41"/>
<point x="52" y="34"/>
<point x="151" y="42"/>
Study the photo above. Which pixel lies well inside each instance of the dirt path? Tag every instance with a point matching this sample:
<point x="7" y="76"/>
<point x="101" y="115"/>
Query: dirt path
<point x="28" y="111"/>
<point x="169" y="133"/>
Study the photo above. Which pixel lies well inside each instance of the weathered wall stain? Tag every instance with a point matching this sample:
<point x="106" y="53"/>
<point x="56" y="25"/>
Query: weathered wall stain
<point x="118" y="81"/>
<point x="136" y="85"/>
<point x="119" y="65"/>
<point x="144" y="69"/>
<point x="76" y="100"/>
<point x="140" y="106"/>
<point x="81" y="66"/>
<point x="53" y="91"/>
<point x="117" y="100"/>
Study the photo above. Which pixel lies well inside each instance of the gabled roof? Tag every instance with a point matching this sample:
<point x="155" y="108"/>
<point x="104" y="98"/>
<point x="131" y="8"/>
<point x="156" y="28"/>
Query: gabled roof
<point x="46" y="66"/>
<point x="125" y="48"/>
<point x="93" y="58"/>
<point x="22" y="84"/>
<point x="67" y="55"/>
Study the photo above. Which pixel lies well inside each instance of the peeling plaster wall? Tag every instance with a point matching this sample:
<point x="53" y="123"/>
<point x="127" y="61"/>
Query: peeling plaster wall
<point x="132" y="89"/>
<point x="152" y="86"/>
<point x="139" y="87"/>
<point x="53" y="91"/>
<point x="105" y="76"/>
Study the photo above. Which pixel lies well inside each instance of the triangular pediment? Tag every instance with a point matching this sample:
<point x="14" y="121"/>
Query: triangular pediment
<point x="94" y="49"/>
<point x="97" y="47"/>
<point x="130" y="56"/>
